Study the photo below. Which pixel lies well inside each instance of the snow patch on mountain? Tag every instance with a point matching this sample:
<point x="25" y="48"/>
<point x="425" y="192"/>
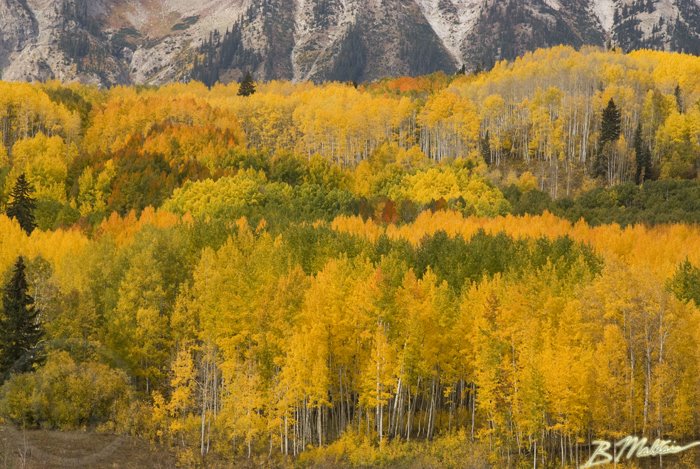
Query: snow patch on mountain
<point x="553" y="4"/>
<point x="604" y="10"/>
<point x="452" y="20"/>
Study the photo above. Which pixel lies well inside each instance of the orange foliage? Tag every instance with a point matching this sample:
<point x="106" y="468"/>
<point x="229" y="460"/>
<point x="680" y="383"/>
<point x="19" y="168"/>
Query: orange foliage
<point x="660" y="248"/>
<point x="123" y="229"/>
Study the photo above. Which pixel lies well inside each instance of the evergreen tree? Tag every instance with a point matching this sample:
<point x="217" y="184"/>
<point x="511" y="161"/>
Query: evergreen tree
<point x="679" y="98"/>
<point x="247" y="87"/>
<point x="610" y="131"/>
<point x="611" y="126"/>
<point x="22" y="205"/>
<point x="20" y="330"/>
<point x="485" y="148"/>
<point x="643" y="157"/>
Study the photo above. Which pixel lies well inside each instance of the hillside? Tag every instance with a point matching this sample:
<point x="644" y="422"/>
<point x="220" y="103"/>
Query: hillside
<point x="156" y="42"/>
<point x="541" y="115"/>
<point x="440" y="271"/>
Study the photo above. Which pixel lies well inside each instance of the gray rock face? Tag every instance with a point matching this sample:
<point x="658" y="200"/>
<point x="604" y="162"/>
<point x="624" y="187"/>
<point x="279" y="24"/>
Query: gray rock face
<point x="110" y="42"/>
<point x="17" y="28"/>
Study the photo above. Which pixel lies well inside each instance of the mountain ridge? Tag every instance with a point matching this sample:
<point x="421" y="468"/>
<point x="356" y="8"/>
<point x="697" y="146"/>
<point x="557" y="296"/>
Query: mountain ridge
<point x="110" y="42"/>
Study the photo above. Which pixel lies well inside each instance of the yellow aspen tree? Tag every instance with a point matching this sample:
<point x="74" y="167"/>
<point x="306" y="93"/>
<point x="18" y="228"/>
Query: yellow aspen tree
<point x="378" y="378"/>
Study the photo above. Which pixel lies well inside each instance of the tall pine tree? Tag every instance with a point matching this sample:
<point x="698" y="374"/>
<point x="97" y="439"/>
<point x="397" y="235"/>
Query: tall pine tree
<point x="22" y="204"/>
<point x="642" y="156"/>
<point x="247" y="87"/>
<point x="679" y="99"/>
<point x="610" y="131"/>
<point x="485" y="148"/>
<point x="20" y="329"/>
<point x="611" y="125"/>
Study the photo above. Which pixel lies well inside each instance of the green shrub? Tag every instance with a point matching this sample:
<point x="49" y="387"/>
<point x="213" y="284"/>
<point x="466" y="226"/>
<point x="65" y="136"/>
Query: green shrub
<point x="64" y="394"/>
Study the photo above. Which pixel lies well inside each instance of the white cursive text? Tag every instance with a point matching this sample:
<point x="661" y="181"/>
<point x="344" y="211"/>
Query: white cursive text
<point x="633" y="446"/>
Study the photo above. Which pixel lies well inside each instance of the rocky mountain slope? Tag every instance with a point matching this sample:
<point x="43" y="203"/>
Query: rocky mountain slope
<point x="155" y="41"/>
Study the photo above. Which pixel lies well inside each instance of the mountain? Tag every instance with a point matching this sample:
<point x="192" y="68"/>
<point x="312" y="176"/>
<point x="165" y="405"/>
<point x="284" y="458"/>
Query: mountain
<point x="110" y="42"/>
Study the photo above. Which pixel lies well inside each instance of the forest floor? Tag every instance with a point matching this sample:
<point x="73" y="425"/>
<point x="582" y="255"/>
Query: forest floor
<point x="53" y="450"/>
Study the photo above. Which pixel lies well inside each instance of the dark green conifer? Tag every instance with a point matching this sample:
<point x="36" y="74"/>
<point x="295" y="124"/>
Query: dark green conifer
<point x="679" y="99"/>
<point x="485" y="147"/>
<point x="610" y="131"/>
<point x="611" y="125"/>
<point x="247" y="87"/>
<point x="20" y="329"/>
<point x="643" y="157"/>
<point x="22" y="205"/>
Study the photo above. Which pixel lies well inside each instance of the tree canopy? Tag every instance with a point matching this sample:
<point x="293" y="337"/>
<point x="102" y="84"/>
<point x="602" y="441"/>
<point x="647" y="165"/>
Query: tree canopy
<point x="420" y="269"/>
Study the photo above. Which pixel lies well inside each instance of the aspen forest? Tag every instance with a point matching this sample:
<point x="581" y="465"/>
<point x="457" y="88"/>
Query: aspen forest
<point x="482" y="270"/>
